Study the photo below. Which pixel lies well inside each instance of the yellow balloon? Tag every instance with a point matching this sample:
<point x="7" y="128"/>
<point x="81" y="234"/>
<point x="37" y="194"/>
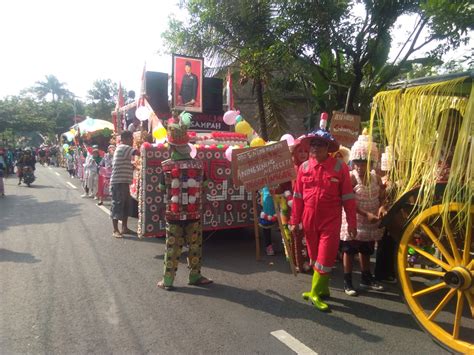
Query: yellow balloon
<point x="72" y="131"/>
<point x="257" y="142"/>
<point x="243" y="127"/>
<point x="159" y="133"/>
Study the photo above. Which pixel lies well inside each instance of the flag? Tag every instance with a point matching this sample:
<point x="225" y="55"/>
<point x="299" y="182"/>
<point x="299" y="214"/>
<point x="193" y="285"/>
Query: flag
<point x="143" y="87"/>
<point x="120" y="98"/>
<point x="230" y="95"/>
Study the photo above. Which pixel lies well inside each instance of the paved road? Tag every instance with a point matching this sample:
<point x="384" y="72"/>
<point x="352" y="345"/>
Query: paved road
<point x="68" y="287"/>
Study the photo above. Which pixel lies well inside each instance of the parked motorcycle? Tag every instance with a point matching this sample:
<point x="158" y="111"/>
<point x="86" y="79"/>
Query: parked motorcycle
<point x="28" y="175"/>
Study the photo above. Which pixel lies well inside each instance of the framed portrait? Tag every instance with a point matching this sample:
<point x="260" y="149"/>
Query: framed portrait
<point x="187" y="83"/>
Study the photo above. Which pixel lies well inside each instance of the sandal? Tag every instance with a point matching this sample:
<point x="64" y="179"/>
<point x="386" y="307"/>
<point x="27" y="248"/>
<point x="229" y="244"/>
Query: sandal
<point x="161" y="284"/>
<point x="203" y="281"/>
<point x="117" y="235"/>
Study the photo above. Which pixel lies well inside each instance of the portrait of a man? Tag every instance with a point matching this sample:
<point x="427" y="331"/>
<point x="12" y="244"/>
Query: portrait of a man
<point x="187" y="83"/>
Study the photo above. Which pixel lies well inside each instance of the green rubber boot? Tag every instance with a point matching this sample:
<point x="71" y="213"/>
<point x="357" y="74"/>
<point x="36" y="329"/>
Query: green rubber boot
<point x="324" y="290"/>
<point x="318" y="287"/>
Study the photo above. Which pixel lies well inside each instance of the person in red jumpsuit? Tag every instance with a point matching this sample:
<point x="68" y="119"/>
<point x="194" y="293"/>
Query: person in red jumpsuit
<point x="323" y="187"/>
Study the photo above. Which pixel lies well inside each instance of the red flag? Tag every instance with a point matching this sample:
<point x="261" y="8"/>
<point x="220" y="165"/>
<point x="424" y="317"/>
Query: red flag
<point x="143" y="88"/>
<point x="120" y="98"/>
<point x="230" y="95"/>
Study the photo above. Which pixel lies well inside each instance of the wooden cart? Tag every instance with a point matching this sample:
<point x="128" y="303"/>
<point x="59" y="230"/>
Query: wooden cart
<point x="429" y="125"/>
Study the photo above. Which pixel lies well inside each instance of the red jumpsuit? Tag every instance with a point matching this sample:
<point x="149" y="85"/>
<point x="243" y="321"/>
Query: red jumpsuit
<point x="320" y="192"/>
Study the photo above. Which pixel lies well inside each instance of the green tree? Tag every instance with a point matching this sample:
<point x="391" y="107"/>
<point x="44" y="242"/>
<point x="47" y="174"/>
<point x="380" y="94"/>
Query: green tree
<point x="102" y="99"/>
<point x="51" y="87"/>
<point x="24" y="115"/>
<point x="236" y="33"/>
<point x="358" y="46"/>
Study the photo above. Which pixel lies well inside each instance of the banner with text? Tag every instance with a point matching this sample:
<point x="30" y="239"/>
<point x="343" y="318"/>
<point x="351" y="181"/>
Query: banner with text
<point x="345" y="128"/>
<point x="264" y="166"/>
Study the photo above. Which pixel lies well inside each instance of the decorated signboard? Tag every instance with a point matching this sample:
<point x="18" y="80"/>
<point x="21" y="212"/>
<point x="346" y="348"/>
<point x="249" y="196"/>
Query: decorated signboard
<point x="345" y="128"/>
<point x="200" y="122"/>
<point x="224" y="204"/>
<point x="269" y="165"/>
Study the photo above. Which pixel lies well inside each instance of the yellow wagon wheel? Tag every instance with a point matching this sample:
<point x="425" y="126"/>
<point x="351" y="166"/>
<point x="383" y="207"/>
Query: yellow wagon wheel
<point x="436" y="271"/>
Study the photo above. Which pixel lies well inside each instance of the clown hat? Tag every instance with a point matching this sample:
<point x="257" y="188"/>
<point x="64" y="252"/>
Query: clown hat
<point x="322" y="135"/>
<point x="177" y="129"/>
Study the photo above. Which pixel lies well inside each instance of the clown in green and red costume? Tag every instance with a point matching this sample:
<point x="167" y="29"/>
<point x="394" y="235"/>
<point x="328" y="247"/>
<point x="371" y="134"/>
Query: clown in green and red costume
<point x="182" y="181"/>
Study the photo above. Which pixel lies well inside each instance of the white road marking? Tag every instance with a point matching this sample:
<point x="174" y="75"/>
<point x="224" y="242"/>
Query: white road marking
<point x="71" y="185"/>
<point x="293" y="343"/>
<point x="58" y="174"/>
<point x="105" y="209"/>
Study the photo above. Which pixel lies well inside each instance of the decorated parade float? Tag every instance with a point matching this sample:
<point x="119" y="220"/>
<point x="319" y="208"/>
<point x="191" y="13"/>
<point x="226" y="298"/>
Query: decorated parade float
<point x="212" y="139"/>
<point x="428" y="127"/>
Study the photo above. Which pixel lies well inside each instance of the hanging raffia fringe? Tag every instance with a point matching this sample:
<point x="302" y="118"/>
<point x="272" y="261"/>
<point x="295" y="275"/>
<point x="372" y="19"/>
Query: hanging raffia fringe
<point x="418" y="124"/>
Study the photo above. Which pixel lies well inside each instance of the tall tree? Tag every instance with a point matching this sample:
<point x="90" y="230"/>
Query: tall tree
<point x="359" y="44"/>
<point x="237" y="33"/>
<point x="51" y="86"/>
<point x="102" y="98"/>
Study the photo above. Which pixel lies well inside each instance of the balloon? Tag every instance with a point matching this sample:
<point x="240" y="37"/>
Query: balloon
<point x="243" y="127"/>
<point x="257" y="142"/>
<point x="324" y="116"/>
<point x="193" y="152"/>
<point x="288" y="138"/>
<point x="186" y="118"/>
<point x="228" y="153"/>
<point x="159" y="133"/>
<point x="65" y="146"/>
<point x="239" y="118"/>
<point x="143" y="113"/>
<point x="230" y="117"/>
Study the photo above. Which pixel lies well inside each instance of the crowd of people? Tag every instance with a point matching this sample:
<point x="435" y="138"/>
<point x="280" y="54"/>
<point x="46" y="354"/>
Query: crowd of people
<point x="93" y="167"/>
<point x="18" y="161"/>
<point x="334" y="212"/>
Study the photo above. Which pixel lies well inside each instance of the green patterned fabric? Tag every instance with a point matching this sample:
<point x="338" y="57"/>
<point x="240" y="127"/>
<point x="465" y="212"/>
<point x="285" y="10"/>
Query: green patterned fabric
<point x="177" y="234"/>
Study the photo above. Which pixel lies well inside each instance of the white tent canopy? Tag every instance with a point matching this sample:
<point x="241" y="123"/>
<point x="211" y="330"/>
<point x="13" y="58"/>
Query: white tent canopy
<point x="92" y="125"/>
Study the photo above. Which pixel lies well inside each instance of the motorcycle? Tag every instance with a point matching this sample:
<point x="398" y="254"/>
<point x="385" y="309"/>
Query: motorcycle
<point x="28" y="175"/>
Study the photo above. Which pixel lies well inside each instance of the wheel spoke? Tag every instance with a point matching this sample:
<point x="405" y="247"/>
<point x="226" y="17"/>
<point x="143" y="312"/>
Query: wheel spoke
<point x="430" y="257"/>
<point x="425" y="271"/>
<point x="438" y="244"/>
<point x="458" y="315"/>
<point x="470" y="301"/>
<point x="470" y="266"/>
<point x="441" y="305"/>
<point x="452" y="242"/>
<point x="430" y="289"/>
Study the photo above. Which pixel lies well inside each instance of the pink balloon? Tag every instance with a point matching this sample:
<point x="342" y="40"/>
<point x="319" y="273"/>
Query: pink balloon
<point x="193" y="152"/>
<point x="230" y="116"/>
<point x="228" y="153"/>
<point x="324" y="116"/>
<point x="288" y="138"/>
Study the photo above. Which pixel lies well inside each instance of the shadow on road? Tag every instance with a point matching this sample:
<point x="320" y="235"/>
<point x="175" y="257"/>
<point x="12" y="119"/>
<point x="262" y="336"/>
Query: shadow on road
<point x="26" y="210"/>
<point x="17" y="257"/>
<point x="278" y="305"/>
<point x="234" y="251"/>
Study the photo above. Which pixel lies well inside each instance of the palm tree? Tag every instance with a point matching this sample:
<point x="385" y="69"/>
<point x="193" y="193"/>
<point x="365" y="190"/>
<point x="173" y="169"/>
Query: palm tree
<point x="51" y="86"/>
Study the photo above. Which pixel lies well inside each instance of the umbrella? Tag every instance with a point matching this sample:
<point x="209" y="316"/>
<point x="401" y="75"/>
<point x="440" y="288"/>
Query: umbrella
<point x="92" y="125"/>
